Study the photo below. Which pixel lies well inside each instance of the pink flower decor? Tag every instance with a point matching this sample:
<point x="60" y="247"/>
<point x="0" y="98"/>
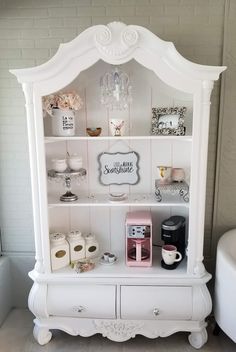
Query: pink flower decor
<point x="63" y="101"/>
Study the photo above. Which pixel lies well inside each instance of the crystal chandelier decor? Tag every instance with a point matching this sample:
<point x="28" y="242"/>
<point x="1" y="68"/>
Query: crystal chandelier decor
<point x="115" y="90"/>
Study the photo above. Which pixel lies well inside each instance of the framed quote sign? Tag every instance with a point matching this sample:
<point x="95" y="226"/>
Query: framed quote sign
<point x="119" y="168"/>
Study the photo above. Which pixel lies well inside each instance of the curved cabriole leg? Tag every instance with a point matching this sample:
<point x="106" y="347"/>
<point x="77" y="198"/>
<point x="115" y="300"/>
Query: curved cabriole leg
<point x="42" y="335"/>
<point x="198" y="339"/>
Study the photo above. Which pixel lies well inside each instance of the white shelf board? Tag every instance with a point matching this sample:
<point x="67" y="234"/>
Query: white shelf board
<point x="136" y="199"/>
<point x="52" y="139"/>
<point x="121" y="270"/>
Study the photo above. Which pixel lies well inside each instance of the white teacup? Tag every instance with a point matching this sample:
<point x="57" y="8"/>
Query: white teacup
<point x="59" y="165"/>
<point x="117" y="127"/>
<point x="169" y="254"/>
<point x="178" y="174"/>
<point x="75" y="162"/>
<point x="164" y="174"/>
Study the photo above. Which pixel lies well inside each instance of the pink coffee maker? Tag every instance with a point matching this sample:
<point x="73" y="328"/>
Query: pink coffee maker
<point x="139" y="238"/>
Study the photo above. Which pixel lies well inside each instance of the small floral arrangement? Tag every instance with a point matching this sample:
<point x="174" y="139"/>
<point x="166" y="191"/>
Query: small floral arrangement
<point x="63" y="101"/>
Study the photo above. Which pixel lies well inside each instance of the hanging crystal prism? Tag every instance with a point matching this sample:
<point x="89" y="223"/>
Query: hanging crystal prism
<point x="115" y="90"/>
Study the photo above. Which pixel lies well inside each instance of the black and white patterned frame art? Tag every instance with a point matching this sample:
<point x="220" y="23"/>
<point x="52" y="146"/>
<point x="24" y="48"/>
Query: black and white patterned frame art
<point x="168" y="121"/>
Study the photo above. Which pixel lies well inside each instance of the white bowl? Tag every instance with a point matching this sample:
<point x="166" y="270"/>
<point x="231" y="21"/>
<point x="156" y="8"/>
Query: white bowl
<point x="75" y="162"/>
<point x="59" y="165"/>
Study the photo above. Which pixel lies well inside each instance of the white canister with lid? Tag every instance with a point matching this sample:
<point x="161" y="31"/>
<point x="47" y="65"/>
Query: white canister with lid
<point x="59" y="251"/>
<point x="77" y="245"/>
<point x="91" y="246"/>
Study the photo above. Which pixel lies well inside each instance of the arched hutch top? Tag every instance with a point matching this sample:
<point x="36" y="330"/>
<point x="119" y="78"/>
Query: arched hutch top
<point x="117" y="44"/>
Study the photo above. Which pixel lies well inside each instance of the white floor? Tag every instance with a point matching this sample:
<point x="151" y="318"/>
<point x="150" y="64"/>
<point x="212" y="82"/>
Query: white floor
<point x="16" y="336"/>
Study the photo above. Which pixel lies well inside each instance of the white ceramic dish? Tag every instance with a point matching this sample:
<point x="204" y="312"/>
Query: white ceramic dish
<point x="105" y="262"/>
<point x="117" y="197"/>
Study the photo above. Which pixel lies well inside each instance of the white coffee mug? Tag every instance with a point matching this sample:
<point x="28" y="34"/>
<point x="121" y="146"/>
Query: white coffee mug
<point x="117" y="127"/>
<point x="164" y="174"/>
<point x="169" y="254"/>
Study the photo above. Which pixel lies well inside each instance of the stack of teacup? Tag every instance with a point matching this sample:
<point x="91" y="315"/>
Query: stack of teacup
<point x="73" y="162"/>
<point x="168" y="174"/>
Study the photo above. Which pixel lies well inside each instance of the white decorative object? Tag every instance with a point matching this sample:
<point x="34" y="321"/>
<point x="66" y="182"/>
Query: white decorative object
<point x="164" y="174"/>
<point x="104" y="300"/>
<point x="59" y="251"/>
<point x="59" y="165"/>
<point x="178" y="174"/>
<point x="116" y="90"/>
<point x="117" y="127"/>
<point x="75" y="162"/>
<point x="91" y="246"/>
<point x="77" y="245"/>
<point x="118" y="168"/>
<point x="63" y="122"/>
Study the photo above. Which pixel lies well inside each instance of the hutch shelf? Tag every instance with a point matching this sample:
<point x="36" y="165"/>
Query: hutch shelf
<point x="119" y="301"/>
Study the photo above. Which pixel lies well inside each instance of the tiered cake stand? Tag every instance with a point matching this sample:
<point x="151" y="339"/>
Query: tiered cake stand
<point x="66" y="177"/>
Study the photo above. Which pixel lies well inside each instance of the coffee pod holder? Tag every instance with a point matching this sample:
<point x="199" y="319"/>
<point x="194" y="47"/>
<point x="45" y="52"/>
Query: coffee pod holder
<point x="173" y="189"/>
<point x="66" y="177"/>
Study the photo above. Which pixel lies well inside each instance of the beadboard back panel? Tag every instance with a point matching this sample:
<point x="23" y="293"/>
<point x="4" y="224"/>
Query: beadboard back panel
<point x="147" y="91"/>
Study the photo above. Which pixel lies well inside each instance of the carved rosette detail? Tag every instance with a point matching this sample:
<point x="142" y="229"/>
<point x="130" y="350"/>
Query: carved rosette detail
<point x="103" y="37"/>
<point x="129" y="36"/>
<point x="116" y="41"/>
<point x="118" y="330"/>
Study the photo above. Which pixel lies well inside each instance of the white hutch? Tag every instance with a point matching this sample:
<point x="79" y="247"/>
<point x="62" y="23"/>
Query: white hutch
<point x="119" y="301"/>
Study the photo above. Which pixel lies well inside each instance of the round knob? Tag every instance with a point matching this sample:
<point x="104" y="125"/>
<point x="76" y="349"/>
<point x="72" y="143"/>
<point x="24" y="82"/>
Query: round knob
<point x="78" y="309"/>
<point x="156" y="312"/>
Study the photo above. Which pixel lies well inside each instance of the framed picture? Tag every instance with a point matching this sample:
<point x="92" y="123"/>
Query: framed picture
<point x="168" y="121"/>
<point x="118" y="168"/>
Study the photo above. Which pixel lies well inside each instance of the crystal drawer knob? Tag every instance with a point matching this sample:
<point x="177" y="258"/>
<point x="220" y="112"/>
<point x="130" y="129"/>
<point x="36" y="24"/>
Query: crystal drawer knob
<point x="78" y="309"/>
<point x="156" y="312"/>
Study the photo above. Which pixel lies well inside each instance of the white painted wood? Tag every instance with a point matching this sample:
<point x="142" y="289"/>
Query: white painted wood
<point x="160" y="77"/>
<point x="157" y="303"/>
<point x="83" y="301"/>
<point x="134" y="199"/>
<point x="52" y="139"/>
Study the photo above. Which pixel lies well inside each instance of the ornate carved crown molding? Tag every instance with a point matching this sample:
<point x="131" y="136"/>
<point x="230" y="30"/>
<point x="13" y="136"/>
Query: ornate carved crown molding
<point x="116" y="40"/>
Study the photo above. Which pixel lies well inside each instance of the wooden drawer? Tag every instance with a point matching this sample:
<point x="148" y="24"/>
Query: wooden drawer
<point x="83" y="301"/>
<point x="156" y="302"/>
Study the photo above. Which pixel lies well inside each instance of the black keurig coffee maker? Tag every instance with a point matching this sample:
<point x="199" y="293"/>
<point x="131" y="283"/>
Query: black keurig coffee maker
<point x="173" y="232"/>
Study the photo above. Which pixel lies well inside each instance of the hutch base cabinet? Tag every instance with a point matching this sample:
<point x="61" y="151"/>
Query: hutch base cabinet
<point x="113" y="172"/>
<point x="121" y="308"/>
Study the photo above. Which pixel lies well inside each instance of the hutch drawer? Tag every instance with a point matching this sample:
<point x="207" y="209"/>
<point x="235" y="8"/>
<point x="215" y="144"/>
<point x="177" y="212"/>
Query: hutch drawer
<point x="83" y="301"/>
<point x="155" y="302"/>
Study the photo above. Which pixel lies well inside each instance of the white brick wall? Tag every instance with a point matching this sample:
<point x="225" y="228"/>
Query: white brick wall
<point x="30" y="32"/>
